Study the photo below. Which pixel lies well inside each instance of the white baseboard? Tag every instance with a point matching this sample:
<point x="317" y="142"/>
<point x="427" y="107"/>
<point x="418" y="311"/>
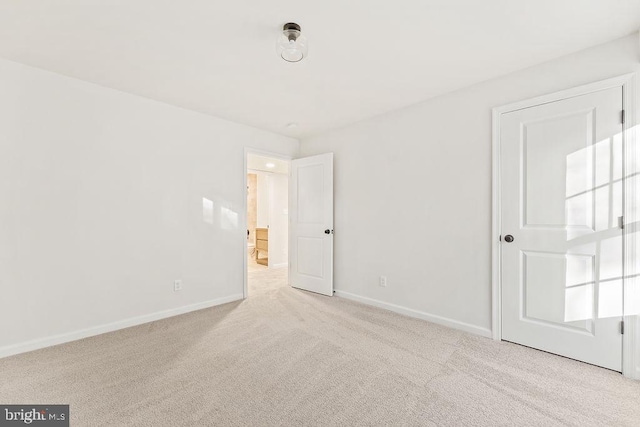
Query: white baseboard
<point x="39" y="343"/>
<point x="444" y="321"/>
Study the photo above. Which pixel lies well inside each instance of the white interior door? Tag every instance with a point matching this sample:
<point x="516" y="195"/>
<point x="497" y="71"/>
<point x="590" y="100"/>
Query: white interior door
<point x="311" y="224"/>
<point x="561" y="198"/>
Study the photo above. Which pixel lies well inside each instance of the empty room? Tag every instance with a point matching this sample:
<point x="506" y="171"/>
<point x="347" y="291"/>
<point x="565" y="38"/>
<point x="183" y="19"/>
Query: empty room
<point x="364" y="213"/>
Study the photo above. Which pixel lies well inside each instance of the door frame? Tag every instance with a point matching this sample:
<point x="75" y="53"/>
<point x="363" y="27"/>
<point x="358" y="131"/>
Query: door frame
<point x="630" y="344"/>
<point x="245" y="220"/>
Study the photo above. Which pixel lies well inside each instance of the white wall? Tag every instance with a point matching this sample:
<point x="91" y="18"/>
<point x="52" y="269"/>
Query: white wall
<point x="101" y="208"/>
<point x="262" y="200"/>
<point x="278" y="220"/>
<point x="413" y="191"/>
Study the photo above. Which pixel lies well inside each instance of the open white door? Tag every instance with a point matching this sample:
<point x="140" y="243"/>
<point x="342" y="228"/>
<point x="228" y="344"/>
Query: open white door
<point x="311" y="224"/>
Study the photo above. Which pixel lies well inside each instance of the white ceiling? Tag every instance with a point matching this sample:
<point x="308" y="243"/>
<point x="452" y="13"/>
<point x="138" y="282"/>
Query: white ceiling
<point x="260" y="163"/>
<point x="366" y="57"/>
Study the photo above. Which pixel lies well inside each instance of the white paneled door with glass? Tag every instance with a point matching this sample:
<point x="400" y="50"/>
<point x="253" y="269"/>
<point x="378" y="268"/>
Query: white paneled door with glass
<point x="561" y="243"/>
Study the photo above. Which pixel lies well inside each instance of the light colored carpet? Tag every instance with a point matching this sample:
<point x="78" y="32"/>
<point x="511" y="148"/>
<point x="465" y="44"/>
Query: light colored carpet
<point x="287" y="357"/>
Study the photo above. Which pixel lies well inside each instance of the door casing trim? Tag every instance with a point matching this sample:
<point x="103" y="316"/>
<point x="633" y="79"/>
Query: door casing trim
<point x="630" y="345"/>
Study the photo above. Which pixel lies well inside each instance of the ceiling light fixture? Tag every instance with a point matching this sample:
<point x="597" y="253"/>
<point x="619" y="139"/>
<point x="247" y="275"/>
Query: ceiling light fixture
<point x="270" y="165"/>
<point x="292" y="45"/>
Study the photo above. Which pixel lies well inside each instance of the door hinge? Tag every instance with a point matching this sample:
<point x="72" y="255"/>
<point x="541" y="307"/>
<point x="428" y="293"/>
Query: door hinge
<point x="621" y="222"/>
<point x="622" y="327"/>
<point x="622" y="116"/>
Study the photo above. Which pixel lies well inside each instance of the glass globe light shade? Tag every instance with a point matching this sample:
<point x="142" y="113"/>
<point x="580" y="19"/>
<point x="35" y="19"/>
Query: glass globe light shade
<point x="292" y="45"/>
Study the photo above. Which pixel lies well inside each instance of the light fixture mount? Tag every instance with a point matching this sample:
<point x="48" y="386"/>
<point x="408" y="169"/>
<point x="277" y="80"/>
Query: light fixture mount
<point x="292" y="45"/>
<point x="292" y="30"/>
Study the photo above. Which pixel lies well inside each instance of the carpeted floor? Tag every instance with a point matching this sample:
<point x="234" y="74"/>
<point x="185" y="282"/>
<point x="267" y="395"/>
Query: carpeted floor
<point x="287" y="357"/>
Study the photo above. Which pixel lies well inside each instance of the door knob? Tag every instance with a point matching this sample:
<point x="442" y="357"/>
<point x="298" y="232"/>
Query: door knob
<point x="327" y="231"/>
<point x="508" y="238"/>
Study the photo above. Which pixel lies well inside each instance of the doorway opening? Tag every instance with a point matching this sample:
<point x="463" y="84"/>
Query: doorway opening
<point x="267" y="213"/>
